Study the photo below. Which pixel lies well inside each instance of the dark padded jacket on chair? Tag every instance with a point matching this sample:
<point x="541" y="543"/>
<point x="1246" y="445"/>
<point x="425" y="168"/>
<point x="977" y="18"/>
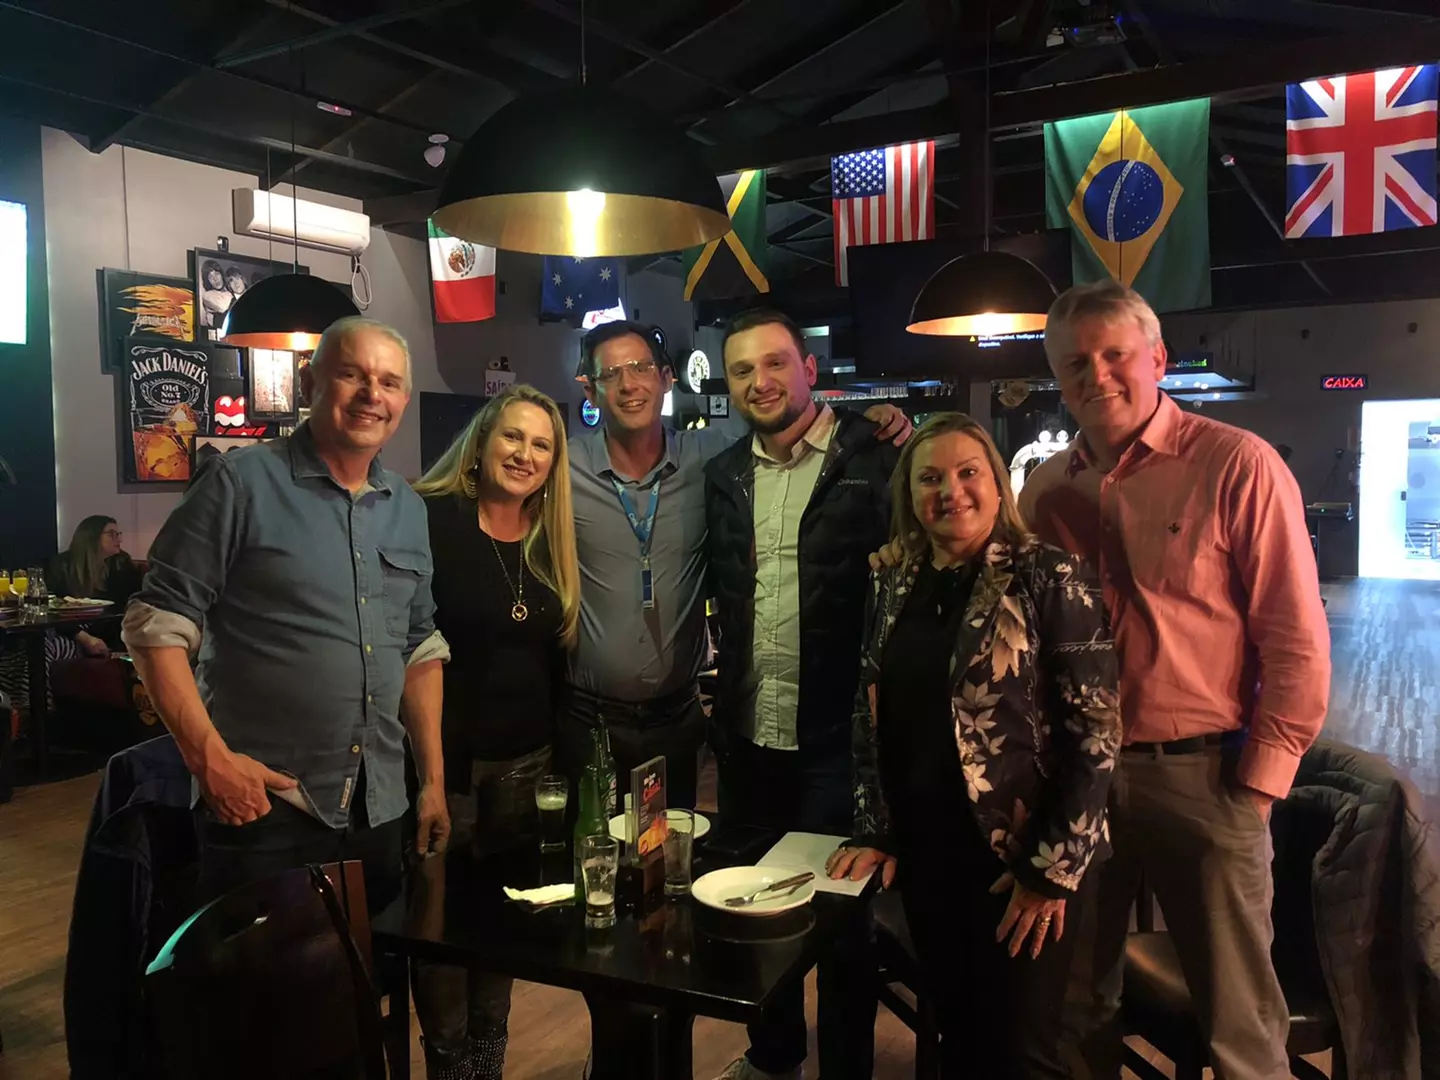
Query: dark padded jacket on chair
<point x="847" y="517"/>
<point x="135" y="887"/>
<point x="1377" y="913"/>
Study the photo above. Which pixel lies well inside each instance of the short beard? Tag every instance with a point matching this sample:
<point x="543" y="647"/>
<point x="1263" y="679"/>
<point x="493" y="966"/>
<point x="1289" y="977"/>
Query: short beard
<point x="794" y="411"/>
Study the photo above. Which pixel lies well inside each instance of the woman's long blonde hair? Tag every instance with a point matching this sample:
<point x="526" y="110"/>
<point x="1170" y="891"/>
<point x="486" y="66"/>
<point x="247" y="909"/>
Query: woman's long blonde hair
<point x="906" y="527"/>
<point x="550" y="543"/>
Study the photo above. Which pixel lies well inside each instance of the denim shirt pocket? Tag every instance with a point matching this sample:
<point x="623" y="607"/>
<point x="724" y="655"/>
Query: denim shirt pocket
<point x="403" y="571"/>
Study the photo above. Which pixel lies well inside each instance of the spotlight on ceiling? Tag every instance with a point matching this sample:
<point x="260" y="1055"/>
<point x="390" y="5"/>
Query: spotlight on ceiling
<point x="435" y="152"/>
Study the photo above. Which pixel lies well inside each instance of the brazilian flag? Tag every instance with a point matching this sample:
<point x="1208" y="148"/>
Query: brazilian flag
<point x="734" y="265"/>
<point x="1131" y="185"/>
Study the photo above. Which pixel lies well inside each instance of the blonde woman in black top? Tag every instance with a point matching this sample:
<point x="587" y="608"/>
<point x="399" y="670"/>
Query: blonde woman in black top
<point x="507" y="591"/>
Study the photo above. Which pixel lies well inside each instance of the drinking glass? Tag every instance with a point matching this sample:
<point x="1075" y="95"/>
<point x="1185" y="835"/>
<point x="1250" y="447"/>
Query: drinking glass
<point x="19" y="582"/>
<point x="552" y="794"/>
<point x="599" y="864"/>
<point x="679" y="840"/>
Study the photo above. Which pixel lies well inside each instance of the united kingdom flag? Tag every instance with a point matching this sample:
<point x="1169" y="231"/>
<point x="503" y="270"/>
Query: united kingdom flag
<point x="1360" y="152"/>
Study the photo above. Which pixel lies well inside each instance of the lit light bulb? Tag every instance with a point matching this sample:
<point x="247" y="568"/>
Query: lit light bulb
<point x="300" y="342"/>
<point x="989" y="323"/>
<point x="1062" y="438"/>
<point x="1045" y="437"/>
<point x="586" y="208"/>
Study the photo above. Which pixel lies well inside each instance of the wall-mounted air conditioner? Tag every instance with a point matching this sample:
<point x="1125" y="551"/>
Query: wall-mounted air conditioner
<point x="273" y="217"/>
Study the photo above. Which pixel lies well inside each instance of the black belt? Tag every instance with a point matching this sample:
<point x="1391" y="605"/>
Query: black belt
<point x="1196" y="744"/>
<point x="658" y="710"/>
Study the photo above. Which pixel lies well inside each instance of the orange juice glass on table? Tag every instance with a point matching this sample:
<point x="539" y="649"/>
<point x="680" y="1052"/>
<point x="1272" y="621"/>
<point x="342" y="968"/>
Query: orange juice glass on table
<point x="20" y="582"/>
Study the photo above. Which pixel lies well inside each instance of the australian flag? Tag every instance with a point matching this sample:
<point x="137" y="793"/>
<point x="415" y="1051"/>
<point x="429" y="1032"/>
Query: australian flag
<point x="1360" y="152"/>
<point x="574" y="286"/>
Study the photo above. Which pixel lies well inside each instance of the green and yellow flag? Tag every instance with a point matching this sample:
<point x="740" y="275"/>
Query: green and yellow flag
<point x="1131" y="187"/>
<point x="735" y="264"/>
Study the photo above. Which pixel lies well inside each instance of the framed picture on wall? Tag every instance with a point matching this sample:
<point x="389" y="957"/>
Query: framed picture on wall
<point x="210" y="446"/>
<point x="222" y="277"/>
<point x="134" y="303"/>
<point x="272" y="385"/>
<point x="167" y="399"/>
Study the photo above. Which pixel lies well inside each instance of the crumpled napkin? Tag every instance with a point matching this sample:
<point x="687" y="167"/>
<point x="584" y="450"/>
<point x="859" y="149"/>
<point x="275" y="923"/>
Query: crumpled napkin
<point x="546" y="894"/>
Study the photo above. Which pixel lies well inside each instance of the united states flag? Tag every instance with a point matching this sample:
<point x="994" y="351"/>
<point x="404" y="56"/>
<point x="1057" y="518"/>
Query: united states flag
<point x="1360" y="153"/>
<point x="881" y="197"/>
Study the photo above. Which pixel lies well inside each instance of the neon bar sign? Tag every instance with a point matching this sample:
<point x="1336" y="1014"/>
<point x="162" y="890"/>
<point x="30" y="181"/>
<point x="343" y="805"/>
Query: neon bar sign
<point x="1344" y="382"/>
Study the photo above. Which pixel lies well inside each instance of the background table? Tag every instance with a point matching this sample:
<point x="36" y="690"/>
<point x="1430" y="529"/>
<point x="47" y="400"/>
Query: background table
<point x="644" y="980"/>
<point x="33" y="631"/>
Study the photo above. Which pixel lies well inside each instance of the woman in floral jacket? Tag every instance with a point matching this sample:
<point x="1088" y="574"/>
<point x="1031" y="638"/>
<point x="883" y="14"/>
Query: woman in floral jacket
<point x="986" y="730"/>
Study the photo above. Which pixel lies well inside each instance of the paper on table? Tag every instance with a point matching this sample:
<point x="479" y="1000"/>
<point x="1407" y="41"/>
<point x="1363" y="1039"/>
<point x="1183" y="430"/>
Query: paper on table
<point x="809" y="851"/>
<point x="546" y="894"/>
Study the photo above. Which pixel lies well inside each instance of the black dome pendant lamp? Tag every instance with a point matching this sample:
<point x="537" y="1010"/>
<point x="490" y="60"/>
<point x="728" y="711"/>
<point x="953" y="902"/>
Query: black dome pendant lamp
<point x="287" y="312"/>
<point x="582" y="171"/>
<point x="985" y="293"/>
<point x="290" y="311"/>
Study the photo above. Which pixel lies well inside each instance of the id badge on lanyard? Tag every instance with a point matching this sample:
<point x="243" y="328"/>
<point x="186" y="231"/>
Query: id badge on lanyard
<point x="644" y="531"/>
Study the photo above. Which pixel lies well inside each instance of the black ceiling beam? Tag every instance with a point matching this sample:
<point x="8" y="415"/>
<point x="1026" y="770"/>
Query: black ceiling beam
<point x="338" y="141"/>
<point x="102" y="141"/>
<point x="639" y="48"/>
<point x="1235" y="75"/>
<point x="337" y="31"/>
<point x="1329" y="248"/>
<point x="206" y="65"/>
<point x="507" y="83"/>
<point x="969" y="102"/>
<point x="219" y="131"/>
<point x="1217" y="142"/>
<point x="692" y="31"/>
<point x="833" y="35"/>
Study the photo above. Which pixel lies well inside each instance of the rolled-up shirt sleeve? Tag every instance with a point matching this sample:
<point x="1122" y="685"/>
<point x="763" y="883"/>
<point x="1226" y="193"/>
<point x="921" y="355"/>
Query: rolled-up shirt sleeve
<point x="189" y="561"/>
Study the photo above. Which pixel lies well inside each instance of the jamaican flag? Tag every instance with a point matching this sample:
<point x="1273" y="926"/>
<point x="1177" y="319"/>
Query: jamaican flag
<point x="1131" y="187"/>
<point x="734" y="265"/>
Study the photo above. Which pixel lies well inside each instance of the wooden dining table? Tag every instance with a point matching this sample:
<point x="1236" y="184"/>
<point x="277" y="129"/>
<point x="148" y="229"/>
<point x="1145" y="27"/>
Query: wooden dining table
<point x="644" y="980"/>
<point x="31" y="629"/>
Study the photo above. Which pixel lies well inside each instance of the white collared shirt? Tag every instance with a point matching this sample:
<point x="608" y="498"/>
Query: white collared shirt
<point x="782" y="491"/>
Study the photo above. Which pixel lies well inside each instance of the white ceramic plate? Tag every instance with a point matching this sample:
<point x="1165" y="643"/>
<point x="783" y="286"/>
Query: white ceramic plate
<point x="714" y="888"/>
<point x="617" y="826"/>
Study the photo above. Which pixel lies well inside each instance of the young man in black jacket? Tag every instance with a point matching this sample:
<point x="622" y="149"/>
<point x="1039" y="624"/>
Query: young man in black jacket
<point x="793" y="513"/>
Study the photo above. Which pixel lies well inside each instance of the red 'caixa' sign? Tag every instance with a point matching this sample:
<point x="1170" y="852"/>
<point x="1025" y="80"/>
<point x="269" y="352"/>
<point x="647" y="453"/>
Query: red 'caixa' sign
<point x="1344" y="382"/>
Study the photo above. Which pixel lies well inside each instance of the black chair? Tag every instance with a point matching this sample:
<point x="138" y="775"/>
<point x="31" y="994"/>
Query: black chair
<point x="271" y="980"/>
<point x="1157" y="1005"/>
<point x="899" y="964"/>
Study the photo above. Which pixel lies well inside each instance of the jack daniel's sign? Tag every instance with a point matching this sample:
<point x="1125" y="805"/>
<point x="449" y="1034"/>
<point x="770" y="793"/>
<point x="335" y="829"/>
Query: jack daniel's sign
<point x="169" y="404"/>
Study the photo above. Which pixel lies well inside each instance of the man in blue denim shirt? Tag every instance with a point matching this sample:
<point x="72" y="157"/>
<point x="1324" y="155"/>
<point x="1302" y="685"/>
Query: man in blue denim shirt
<point x="299" y="572"/>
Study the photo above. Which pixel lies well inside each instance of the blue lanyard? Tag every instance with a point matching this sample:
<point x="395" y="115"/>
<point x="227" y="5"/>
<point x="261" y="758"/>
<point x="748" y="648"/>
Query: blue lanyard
<point x="644" y="530"/>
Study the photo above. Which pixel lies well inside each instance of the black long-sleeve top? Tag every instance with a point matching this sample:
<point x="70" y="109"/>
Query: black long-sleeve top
<point x="502" y="684"/>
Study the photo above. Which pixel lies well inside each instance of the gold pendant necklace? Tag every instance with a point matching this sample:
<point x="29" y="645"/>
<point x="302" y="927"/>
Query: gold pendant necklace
<point x="518" y="611"/>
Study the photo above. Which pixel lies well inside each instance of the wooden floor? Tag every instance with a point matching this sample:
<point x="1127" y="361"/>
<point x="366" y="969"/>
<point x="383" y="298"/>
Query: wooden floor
<point x="1385" y="697"/>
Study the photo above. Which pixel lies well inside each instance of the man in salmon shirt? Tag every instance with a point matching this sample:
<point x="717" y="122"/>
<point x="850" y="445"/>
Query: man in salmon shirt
<point x="1198" y="533"/>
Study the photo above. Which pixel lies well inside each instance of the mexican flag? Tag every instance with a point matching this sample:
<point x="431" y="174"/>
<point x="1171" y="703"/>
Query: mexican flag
<point x="463" y="276"/>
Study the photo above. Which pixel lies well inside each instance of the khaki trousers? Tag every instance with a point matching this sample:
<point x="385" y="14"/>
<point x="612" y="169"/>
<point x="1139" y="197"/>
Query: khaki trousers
<point x="1182" y="821"/>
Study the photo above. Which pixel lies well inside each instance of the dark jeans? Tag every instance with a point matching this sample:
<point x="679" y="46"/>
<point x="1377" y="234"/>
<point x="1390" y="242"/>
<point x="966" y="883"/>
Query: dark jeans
<point x="286" y="837"/>
<point x="454" y="1004"/>
<point x="999" y="1017"/>
<point x="807" y="791"/>
<point x="674" y="727"/>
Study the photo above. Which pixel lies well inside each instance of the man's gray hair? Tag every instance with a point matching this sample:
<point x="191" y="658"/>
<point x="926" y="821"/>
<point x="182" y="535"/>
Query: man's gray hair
<point x="1106" y="299"/>
<point x="348" y="327"/>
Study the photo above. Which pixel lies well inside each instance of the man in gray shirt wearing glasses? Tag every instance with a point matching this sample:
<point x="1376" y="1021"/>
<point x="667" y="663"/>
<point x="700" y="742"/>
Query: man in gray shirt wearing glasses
<point x="639" y="494"/>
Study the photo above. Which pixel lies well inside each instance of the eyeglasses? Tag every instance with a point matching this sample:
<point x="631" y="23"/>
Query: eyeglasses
<point x="114" y="534"/>
<point x="638" y="368"/>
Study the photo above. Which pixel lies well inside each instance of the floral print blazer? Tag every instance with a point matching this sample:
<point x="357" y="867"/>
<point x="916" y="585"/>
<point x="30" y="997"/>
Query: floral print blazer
<point x="1035" y="702"/>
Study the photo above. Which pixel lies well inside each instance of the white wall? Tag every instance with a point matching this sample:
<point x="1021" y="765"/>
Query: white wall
<point x="131" y="209"/>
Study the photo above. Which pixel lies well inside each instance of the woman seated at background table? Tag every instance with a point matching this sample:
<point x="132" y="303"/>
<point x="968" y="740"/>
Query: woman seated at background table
<point x="987" y="726"/>
<point x="95" y="566"/>
<point x="507" y="588"/>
